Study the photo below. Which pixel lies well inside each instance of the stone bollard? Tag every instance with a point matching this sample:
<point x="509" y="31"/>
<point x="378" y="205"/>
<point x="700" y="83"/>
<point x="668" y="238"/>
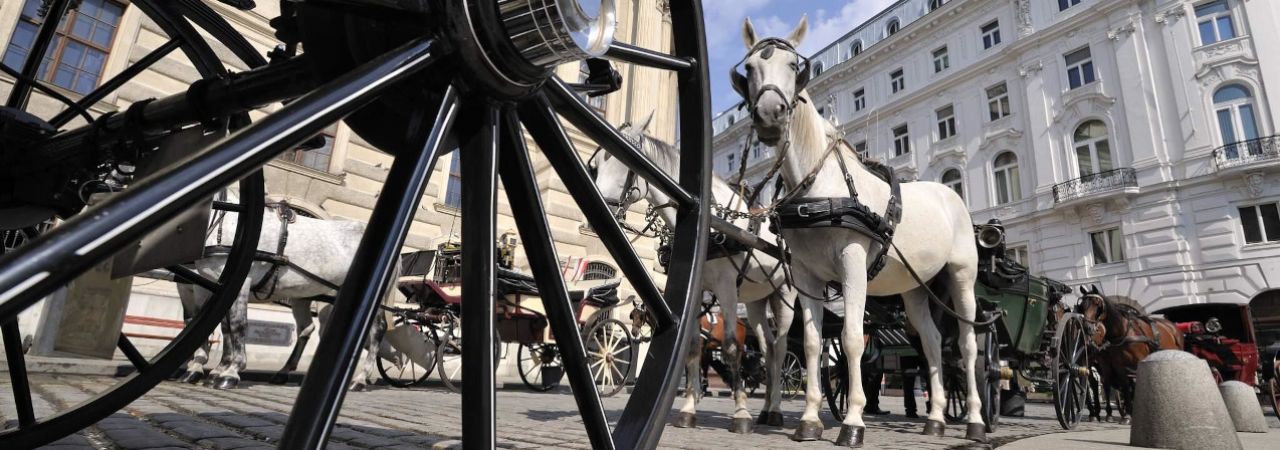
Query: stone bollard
<point x="1243" y="406"/>
<point x="1177" y="405"/>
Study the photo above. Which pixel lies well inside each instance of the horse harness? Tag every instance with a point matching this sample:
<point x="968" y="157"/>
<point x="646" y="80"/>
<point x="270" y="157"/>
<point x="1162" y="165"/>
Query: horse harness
<point x="1128" y="316"/>
<point x="266" y="287"/>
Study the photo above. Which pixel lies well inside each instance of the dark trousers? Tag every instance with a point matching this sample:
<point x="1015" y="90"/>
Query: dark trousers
<point x="909" y="381"/>
<point x="871" y="387"/>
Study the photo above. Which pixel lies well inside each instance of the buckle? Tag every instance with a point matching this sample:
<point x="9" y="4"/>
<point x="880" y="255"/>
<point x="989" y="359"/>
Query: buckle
<point x="802" y="211"/>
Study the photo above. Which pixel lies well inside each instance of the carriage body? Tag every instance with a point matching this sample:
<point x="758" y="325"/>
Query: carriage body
<point x="1223" y="335"/>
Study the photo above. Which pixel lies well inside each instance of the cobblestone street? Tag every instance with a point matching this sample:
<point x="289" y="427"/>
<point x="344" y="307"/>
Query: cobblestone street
<point x="182" y="416"/>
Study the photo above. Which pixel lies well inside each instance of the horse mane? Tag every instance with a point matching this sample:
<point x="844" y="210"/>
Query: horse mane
<point x="667" y="157"/>
<point x="811" y="130"/>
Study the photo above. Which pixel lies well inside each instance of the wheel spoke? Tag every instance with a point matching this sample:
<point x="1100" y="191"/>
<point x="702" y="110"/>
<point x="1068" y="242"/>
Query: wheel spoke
<point x="21" y="92"/>
<point x="638" y="55"/>
<point x="190" y="276"/>
<point x="131" y="352"/>
<point x="479" y="205"/>
<point x="115" y="82"/>
<point x="595" y="127"/>
<point x="531" y="221"/>
<point x="18" y="373"/>
<point x="539" y="118"/>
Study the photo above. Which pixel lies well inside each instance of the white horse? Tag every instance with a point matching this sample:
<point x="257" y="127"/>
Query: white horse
<point x="761" y="279"/>
<point x="935" y="235"/>
<point x="325" y="248"/>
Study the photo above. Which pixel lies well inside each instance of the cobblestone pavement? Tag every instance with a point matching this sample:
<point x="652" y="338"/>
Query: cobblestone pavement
<point x="252" y="417"/>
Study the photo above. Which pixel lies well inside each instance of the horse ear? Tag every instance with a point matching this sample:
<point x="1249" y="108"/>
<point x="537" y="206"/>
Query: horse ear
<point x="748" y="33"/>
<point x="1095" y="289"/>
<point x="644" y="124"/>
<point x="797" y="35"/>
<point x="1083" y="292"/>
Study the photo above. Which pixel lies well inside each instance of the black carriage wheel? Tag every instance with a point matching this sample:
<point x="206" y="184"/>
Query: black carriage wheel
<point x="172" y="18"/>
<point x="957" y="409"/>
<point x="1273" y="391"/>
<point x="611" y="353"/>
<point x="532" y="359"/>
<point x="1070" y="370"/>
<point x="793" y="376"/>
<point x="404" y="372"/>
<point x="835" y="377"/>
<point x="988" y="377"/>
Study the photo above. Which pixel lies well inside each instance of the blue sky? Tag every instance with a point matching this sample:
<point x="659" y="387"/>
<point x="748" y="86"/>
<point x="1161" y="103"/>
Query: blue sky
<point x="828" y="20"/>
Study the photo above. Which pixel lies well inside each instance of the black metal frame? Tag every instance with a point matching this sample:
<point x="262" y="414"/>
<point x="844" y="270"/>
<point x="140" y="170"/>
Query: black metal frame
<point x="490" y="112"/>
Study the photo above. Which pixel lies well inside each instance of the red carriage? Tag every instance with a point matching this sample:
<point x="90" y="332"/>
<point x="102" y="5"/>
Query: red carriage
<point x="1226" y="336"/>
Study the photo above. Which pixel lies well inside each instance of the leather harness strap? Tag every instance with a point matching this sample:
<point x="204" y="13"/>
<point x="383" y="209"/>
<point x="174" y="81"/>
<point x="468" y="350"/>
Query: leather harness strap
<point x="266" y="286"/>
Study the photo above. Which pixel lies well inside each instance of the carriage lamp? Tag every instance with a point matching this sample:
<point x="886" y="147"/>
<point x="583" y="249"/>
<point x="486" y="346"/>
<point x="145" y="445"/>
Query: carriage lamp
<point x="551" y="32"/>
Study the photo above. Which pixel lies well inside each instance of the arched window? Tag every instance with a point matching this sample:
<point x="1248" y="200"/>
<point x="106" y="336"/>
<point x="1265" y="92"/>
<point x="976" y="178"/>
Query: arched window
<point x="1093" y="149"/>
<point x="934" y="4"/>
<point x="892" y="28"/>
<point x="855" y="49"/>
<point x="951" y="178"/>
<point x="818" y="68"/>
<point x="1008" y="183"/>
<point x="1237" y="124"/>
<point x="599" y="270"/>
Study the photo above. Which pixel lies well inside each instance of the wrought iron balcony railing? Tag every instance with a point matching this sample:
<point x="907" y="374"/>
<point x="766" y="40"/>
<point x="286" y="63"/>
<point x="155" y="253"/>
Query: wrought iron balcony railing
<point x="1095" y="183"/>
<point x="1245" y="153"/>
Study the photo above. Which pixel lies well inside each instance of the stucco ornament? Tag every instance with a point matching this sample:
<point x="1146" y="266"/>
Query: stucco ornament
<point x="1255" y="183"/>
<point x="1024" y="18"/>
<point x="1096" y="212"/>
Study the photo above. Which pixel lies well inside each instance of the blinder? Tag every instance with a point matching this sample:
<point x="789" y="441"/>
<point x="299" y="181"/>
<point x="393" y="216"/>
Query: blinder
<point x="766" y="48"/>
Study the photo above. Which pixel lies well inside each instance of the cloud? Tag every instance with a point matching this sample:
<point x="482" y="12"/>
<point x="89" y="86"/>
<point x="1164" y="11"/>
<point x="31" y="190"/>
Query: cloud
<point x="824" y="28"/>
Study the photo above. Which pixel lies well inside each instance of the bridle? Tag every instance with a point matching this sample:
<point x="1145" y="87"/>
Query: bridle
<point x="631" y="191"/>
<point x="766" y="47"/>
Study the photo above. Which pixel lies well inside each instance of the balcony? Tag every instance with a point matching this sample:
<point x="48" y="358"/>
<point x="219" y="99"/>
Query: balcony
<point x="1247" y="154"/>
<point x="1097" y="185"/>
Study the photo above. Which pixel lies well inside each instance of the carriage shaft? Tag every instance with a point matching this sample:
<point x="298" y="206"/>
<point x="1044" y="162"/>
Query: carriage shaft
<point x="746" y="237"/>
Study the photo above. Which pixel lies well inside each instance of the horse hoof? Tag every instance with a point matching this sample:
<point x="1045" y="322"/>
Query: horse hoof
<point x="741" y="425"/>
<point x="976" y="432"/>
<point x="279" y="378"/>
<point x="685" y="420"/>
<point x="1123" y="421"/>
<point x="191" y="377"/>
<point x="851" y="436"/>
<point x="808" y="431"/>
<point x="225" y="383"/>
<point x="359" y="388"/>
<point x="934" y="428"/>
<point x="770" y="418"/>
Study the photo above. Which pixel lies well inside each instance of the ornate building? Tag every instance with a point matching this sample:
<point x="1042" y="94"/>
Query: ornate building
<point x="1125" y="143"/>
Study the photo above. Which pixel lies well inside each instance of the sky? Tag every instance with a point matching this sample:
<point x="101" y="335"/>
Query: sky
<point x="828" y="20"/>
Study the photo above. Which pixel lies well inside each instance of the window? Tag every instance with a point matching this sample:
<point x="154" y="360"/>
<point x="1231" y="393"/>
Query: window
<point x="75" y="58"/>
<point x="1261" y="223"/>
<point x="941" y="61"/>
<point x="312" y="156"/>
<point x="896" y="81"/>
<point x="1236" y="120"/>
<point x="861" y="149"/>
<point x="1080" y="68"/>
<point x="1215" y="22"/>
<point x="855" y="49"/>
<point x="453" y="190"/>
<point x="597" y="102"/>
<point x="934" y="4"/>
<point x="952" y="179"/>
<point x="599" y="270"/>
<point x="1093" y="150"/>
<point x="730" y="157"/>
<point x="756" y="150"/>
<point x="946" y="122"/>
<point x="1064" y="4"/>
<point x="1108" y="246"/>
<point x="1018" y="254"/>
<point x="901" y="141"/>
<point x="1008" y="183"/>
<point x="859" y="99"/>
<point x="892" y="28"/>
<point x="817" y="68"/>
<point x="998" y="102"/>
<point x="991" y="34"/>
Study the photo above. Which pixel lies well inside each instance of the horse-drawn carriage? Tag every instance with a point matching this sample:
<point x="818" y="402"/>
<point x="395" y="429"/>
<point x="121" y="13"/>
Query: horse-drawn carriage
<point x="1026" y="332"/>
<point x="1226" y="335"/>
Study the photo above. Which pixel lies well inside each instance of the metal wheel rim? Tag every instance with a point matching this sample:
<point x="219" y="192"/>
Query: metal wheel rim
<point x="414" y="378"/>
<point x="531" y="375"/>
<point x="612" y="354"/>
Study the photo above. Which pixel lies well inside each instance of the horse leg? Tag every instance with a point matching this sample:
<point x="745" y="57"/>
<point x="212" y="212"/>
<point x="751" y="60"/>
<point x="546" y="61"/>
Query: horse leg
<point x="193" y="299"/>
<point x="1094" y="399"/>
<point x="693" y="385"/>
<point x="810" y="428"/>
<point x="853" y="430"/>
<point x="758" y="320"/>
<point x="306" y="326"/>
<point x="233" y="337"/>
<point x="966" y="304"/>
<point x="727" y="292"/>
<point x="365" y="366"/>
<point x="783" y="305"/>
<point x="917" y="305"/>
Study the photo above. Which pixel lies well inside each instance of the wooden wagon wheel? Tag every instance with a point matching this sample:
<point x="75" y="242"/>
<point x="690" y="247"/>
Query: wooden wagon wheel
<point x="98" y="154"/>
<point x="1070" y="369"/>
<point x="835" y="377"/>
<point x="611" y="354"/>
<point x="532" y="359"/>
<point x="401" y="370"/>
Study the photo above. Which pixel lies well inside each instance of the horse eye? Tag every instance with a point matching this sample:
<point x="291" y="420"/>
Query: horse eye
<point x="795" y="66"/>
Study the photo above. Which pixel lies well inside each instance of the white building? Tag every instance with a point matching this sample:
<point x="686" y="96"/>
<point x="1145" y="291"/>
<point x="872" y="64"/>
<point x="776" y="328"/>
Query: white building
<point x="1127" y="143"/>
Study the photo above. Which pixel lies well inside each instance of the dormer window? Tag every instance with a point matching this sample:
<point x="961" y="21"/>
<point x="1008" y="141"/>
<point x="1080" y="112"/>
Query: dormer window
<point x="893" y="27"/>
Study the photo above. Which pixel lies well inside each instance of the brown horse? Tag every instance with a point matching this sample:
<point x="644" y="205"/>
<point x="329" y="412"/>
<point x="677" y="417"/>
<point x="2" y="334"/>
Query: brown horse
<point x="1127" y="337"/>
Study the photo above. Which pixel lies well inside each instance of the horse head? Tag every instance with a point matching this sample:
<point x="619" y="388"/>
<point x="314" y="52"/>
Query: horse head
<point x="772" y="77"/>
<point x="618" y="184"/>
<point x="1096" y="309"/>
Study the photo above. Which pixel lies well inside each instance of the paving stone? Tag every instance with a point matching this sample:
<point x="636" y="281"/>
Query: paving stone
<point x="194" y="431"/>
<point x="138" y="438"/>
<point x="229" y="443"/>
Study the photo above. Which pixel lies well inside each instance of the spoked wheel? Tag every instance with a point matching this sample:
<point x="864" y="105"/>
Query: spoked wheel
<point x="1274" y="384"/>
<point x="1071" y="370"/>
<point x="793" y="376"/>
<point x="988" y="378"/>
<point x="835" y="377"/>
<point x="535" y="361"/>
<point x="400" y="369"/>
<point x="611" y="351"/>
<point x="957" y="409"/>
<point x="63" y="160"/>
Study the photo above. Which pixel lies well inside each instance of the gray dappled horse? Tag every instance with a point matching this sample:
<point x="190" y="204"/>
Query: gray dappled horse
<point x="316" y="256"/>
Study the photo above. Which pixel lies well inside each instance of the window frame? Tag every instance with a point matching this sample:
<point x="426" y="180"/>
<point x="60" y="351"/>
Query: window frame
<point x="901" y="140"/>
<point x="897" y="80"/>
<point x="1260" y="222"/>
<point x="454" y="172"/>
<point x="1064" y="5"/>
<point x="1011" y="176"/>
<point x="990" y="33"/>
<point x="1021" y="254"/>
<point x="946" y="124"/>
<point x="1110" y="235"/>
<point x="859" y="99"/>
<point x="1091" y="145"/>
<point x="860" y="149"/>
<point x="1085" y="69"/>
<point x="892" y="27"/>
<point x="63" y="36"/>
<point x="956" y="184"/>
<point x="855" y="48"/>
<point x="1234" y="109"/>
<point x="935" y="4"/>
<point x="1214" y="19"/>
<point x="941" y="59"/>
<point x="297" y="156"/>
<point x="999" y="105"/>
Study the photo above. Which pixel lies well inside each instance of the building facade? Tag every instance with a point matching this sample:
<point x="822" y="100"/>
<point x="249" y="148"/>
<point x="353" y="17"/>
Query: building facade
<point x="1125" y="143"/>
<point x="341" y="180"/>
